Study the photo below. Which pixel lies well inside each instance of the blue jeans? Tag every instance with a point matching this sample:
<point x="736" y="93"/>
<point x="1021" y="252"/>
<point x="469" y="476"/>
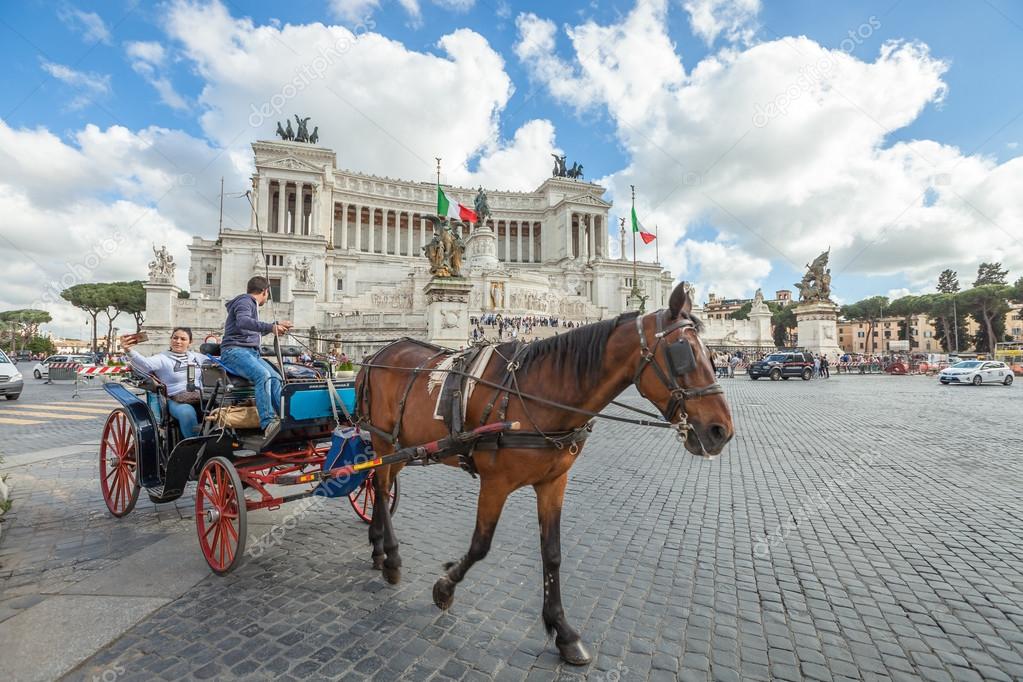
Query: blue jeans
<point x="246" y="362"/>
<point x="187" y="419"/>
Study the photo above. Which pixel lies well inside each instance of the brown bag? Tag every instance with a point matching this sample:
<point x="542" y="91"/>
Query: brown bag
<point x="235" y="417"/>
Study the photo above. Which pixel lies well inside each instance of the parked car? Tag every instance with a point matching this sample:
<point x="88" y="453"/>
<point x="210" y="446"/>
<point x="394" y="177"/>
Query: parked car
<point x="783" y="365"/>
<point x="977" y="372"/>
<point x="11" y="381"/>
<point x="42" y="369"/>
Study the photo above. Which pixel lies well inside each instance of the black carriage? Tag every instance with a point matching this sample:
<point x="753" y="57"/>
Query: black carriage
<point x="142" y="447"/>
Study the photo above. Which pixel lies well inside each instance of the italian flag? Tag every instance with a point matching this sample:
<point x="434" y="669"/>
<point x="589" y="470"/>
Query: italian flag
<point x="453" y="209"/>
<point x="647" y="237"/>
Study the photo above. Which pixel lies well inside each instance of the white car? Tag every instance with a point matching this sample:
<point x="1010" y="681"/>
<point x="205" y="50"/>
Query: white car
<point x="977" y="372"/>
<point x="42" y="369"/>
<point x="11" y="382"/>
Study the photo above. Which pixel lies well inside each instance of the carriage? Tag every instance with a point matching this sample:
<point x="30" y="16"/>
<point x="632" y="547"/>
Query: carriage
<point x="315" y="452"/>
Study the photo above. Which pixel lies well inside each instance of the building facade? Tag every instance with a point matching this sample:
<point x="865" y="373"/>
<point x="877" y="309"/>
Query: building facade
<point x="344" y="253"/>
<point x="857" y="337"/>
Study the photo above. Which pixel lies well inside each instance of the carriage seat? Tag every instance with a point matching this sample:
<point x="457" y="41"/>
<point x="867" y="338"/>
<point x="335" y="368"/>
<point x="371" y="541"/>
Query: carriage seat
<point x="213" y="349"/>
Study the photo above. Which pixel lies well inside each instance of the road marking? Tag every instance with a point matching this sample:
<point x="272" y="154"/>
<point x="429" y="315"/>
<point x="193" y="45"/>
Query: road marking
<point x="62" y="408"/>
<point x="86" y="403"/>
<point x="8" y="420"/>
<point x="51" y="415"/>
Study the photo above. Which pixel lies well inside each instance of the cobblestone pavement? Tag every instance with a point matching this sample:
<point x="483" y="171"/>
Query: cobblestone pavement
<point x="857" y="528"/>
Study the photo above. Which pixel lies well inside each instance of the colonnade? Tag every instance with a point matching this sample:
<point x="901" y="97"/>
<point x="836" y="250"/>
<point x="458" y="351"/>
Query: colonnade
<point x="289" y="206"/>
<point x="586" y="236"/>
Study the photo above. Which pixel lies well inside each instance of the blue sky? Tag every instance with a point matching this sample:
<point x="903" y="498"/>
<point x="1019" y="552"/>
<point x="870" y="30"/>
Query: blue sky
<point x="980" y="112"/>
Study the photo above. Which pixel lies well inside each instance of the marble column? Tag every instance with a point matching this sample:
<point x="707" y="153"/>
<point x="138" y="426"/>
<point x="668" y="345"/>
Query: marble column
<point x="372" y="229"/>
<point x="263" y="204"/>
<point x="408" y="222"/>
<point x="518" y="241"/>
<point x="593" y="237"/>
<point x="282" y="207"/>
<point x="358" y="227"/>
<point x="344" y="241"/>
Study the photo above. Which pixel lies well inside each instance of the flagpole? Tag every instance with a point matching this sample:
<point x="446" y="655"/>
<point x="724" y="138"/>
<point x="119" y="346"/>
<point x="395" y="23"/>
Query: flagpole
<point x="635" y="281"/>
<point x="438" y="170"/>
<point x="657" y="246"/>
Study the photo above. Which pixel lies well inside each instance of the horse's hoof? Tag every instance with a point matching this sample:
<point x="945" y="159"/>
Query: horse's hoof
<point x="443" y="593"/>
<point x="573" y="653"/>
<point x="392" y="575"/>
<point x="378" y="562"/>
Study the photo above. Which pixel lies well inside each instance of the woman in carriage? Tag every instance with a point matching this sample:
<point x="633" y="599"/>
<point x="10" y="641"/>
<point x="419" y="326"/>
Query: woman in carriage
<point x="170" y="367"/>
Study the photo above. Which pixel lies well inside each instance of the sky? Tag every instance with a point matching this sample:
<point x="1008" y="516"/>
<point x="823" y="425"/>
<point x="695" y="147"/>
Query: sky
<point x="757" y="133"/>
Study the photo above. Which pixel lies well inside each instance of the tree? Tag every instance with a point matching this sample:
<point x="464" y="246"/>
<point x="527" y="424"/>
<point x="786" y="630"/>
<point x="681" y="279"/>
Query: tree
<point x="133" y="301"/>
<point x="948" y="282"/>
<point x="1016" y="291"/>
<point x="24" y="323"/>
<point x="949" y="323"/>
<point x="991" y="273"/>
<point x="88" y="297"/>
<point x="907" y="307"/>
<point x="987" y="305"/>
<point x="869" y="310"/>
<point x="783" y="318"/>
<point x="41" y="344"/>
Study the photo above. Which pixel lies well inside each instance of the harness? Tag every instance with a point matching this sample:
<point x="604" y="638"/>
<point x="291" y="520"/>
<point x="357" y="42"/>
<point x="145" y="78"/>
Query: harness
<point x="679" y="359"/>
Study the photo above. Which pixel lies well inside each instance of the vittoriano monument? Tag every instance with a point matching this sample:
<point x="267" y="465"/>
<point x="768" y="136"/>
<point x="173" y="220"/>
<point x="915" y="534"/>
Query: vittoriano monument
<point x="816" y="313"/>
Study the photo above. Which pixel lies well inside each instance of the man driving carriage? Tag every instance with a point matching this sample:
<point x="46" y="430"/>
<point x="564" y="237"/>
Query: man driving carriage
<point x="239" y="351"/>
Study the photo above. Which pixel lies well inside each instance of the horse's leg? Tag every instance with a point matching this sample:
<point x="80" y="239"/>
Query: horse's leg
<point x="376" y="529"/>
<point x="549" y="498"/>
<point x="391" y="563"/>
<point x="493" y="494"/>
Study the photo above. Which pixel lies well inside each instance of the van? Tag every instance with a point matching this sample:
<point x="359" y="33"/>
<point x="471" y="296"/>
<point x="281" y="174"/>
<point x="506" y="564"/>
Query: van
<point x="11" y="381"/>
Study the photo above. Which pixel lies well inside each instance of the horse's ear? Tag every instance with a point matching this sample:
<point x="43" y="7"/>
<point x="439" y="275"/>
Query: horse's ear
<point x="679" y="301"/>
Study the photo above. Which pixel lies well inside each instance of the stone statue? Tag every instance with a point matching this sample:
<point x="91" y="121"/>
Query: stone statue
<point x="303" y="273"/>
<point x="314" y="136"/>
<point x="281" y="133"/>
<point x="162" y="268"/>
<point x="446" y="250"/>
<point x="481" y="205"/>
<point x="258" y="263"/>
<point x="302" y="135"/>
<point x="559" y="166"/>
<point x="758" y="297"/>
<point x="816" y="283"/>
<point x="289" y="133"/>
<point x="497" y="295"/>
<point x="576" y="172"/>
<point x="435" y="254"/>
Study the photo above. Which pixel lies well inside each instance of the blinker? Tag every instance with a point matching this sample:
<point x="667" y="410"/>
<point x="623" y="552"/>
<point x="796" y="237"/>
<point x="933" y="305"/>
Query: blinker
<point x="681" y="359"/>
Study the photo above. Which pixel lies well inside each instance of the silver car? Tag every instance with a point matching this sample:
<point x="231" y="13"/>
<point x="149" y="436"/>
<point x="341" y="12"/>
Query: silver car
<point x="11" y="381"/>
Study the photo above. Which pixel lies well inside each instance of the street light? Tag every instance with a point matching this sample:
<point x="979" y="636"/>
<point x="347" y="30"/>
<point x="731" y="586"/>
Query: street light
<point x="955" y="322"/>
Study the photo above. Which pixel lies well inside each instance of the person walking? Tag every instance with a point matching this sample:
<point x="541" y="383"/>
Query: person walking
<point x="733" y="362"/>
<point x="816" y="366"/>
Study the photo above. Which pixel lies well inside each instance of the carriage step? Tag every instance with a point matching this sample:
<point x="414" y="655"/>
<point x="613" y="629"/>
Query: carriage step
<point x="245" y="453"/>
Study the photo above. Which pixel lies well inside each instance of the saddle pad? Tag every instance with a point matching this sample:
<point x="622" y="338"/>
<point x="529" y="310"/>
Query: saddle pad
<point x="474" y="372"/>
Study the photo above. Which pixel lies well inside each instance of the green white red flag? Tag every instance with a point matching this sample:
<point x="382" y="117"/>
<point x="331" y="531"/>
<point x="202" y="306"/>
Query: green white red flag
<point x="647" y="237"/>
<point x="453" y="209"/>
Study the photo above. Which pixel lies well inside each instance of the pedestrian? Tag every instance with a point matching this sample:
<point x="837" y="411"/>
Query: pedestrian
<point x="816" y="366"/>
<point x="733" y="362"/>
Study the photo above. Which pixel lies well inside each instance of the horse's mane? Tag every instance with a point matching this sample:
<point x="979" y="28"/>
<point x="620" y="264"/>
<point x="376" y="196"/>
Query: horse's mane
<point x="583" y="347"/>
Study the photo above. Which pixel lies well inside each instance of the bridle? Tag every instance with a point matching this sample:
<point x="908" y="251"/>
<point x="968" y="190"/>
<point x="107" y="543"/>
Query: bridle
<point x="680" y="360"/>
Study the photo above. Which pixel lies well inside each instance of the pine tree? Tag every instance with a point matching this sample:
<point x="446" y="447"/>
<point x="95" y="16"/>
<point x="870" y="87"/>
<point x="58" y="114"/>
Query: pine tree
<point x="991" y="273"/>
<point x="948" y="282"/>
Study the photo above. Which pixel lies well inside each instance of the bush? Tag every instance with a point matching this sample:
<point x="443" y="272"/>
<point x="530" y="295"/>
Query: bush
<point x="346" y="366"/>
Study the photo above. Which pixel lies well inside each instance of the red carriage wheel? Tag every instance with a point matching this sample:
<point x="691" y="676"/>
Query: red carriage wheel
<point x="119" y="463"/>
<point x="364" y="497"/>
<point x="220" y="515"/>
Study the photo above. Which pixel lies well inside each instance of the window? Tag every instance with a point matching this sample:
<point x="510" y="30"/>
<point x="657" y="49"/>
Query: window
<point x="887" y="334"/>
<point x="276" y="260"/>
<point x="209" y="279"/>
<point x="340" y="284"/>
<point x="275" y="288"/>
<point x="860" y="335"/>
<point x="928" y="335"/>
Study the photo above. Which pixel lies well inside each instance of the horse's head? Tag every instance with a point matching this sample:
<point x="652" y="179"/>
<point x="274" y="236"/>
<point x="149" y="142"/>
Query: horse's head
<point x="676" y="374"/>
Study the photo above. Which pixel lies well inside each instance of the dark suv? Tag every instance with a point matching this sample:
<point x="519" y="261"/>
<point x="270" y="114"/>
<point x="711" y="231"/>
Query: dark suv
<point x="783" y="365"/>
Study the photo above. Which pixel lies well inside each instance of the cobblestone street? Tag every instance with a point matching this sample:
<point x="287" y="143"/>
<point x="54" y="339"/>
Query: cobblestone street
<point x="857" y="528"/>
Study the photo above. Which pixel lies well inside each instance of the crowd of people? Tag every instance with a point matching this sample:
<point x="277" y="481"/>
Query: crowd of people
<point x="513" y="326"/>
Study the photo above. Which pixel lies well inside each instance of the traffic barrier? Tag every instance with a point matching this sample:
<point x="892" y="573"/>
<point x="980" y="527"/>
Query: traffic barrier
<point x="92" y="371"/>
<point x="62" y="371"/>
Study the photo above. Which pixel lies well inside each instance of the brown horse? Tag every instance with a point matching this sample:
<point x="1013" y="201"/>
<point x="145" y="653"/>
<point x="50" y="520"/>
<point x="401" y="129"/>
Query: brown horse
<point x="580" y="372"/>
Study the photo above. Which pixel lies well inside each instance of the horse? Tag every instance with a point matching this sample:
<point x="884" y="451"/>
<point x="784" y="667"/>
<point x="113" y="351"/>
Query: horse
<point x="552" y="387"/>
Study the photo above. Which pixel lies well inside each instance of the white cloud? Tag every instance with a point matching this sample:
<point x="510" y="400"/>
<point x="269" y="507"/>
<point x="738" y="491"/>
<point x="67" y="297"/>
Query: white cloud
<point x="724" y="269"/>
<point x="62" y="228"/>
<point x="735" y="18"/>
<point x="455" y="5"/>
<point x="88" y="85"/>
<point x="387" y="109"/>
<point x="784" y="148"/>
<point x="150" y="52"/>
<point x="89" y="24"/>
<point x="147" y="60"/>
